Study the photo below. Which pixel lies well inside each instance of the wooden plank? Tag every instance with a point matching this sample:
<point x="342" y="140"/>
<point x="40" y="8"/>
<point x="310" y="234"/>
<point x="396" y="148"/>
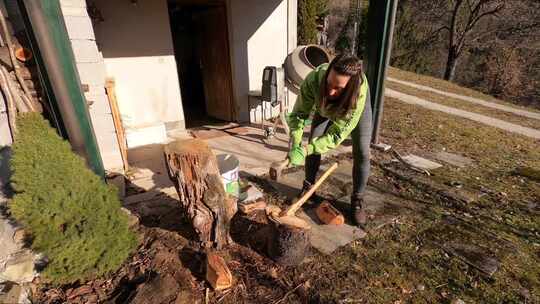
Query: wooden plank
<point x="120" y="132"/>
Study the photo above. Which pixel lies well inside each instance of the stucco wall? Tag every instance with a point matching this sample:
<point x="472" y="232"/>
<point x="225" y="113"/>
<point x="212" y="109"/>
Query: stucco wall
<point x="261" y="38"/>
<point x="137" y="47"/>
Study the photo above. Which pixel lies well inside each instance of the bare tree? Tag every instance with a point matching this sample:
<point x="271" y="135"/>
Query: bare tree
<point x="464" y="17"/>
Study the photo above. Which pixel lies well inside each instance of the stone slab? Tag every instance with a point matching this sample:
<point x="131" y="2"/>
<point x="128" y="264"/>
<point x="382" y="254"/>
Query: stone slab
<point x="420" y="162"/>
<point x="289" y="185"/>
<point x="343" y="172"/>
<point x="328" y="238"/>
<point x="453" y="159"/>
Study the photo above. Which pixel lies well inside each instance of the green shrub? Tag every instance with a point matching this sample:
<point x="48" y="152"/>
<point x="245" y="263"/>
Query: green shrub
<point x="73" y="217"/>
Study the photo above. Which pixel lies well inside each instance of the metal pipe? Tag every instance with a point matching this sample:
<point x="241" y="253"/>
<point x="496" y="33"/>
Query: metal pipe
<point x="52" y="49"/>
<point x="381" y="20"/>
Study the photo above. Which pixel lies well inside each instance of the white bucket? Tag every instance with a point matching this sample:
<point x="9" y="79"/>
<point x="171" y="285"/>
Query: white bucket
<point x="228" y="168"/>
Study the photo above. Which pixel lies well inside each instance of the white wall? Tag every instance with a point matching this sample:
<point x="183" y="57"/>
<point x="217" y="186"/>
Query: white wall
<point x="259" y="38"/>
<point x="136" y="43"/>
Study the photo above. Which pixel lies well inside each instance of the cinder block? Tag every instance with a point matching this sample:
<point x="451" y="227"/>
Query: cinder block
<point x="109" y="150"/>
<point x="85" y="51"/>
<point x="73" y="3"/>
<point x="92" y="74"/>
<point x="103" y="123"/>
<point x="74" y="11"/>
<point x="79" y="27"/>
<point x="100" y="105"/>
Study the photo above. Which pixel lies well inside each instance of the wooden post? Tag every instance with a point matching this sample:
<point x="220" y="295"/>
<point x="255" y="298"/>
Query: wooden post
<point x="194" y="171"/>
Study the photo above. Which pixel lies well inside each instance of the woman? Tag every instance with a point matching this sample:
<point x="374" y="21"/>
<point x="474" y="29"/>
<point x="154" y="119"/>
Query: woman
<point x="338" y="95"/>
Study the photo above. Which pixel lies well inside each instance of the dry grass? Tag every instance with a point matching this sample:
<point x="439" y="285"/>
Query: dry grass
<point x="443" y="85"/>
<point x="464" y="105"/>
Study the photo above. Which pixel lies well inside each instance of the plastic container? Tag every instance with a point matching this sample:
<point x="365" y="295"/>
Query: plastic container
<point x="228" y="168"/>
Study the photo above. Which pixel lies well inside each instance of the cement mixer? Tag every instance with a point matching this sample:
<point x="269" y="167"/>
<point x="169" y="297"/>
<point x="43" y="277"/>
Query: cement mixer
<point x="296" y="67"/>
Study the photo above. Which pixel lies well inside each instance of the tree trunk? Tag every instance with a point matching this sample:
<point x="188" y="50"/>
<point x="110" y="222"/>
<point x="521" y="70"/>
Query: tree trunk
<point x="451" y="63"/>
<point x="194" y="171"/>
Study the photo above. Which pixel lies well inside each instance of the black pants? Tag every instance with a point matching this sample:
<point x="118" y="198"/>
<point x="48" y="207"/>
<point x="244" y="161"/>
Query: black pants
<point x="361" y="138"/>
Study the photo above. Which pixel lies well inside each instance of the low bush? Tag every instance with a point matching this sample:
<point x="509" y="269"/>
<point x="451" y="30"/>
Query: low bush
<point x="72" y="216"/>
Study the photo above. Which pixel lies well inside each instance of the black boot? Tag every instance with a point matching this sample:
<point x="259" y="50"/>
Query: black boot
<point x="358" y="214"/>
<point x="314" y="199"/>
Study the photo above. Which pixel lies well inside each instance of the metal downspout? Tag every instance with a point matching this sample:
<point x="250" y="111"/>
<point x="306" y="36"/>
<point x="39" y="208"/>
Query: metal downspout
<point x="50" y="42"/>
<point x="381" y="18"/>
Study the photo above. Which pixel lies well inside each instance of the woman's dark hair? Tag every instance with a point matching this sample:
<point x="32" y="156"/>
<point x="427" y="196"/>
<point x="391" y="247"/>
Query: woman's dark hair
<point x="348" y="65"/>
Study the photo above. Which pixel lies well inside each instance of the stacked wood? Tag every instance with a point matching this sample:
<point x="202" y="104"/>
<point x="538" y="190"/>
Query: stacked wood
<point x="194" y="171"/>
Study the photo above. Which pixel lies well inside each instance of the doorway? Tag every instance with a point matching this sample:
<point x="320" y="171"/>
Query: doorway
<point x="201" y="47"/>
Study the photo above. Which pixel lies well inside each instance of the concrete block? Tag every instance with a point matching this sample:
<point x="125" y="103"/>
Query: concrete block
<point x="112" y="162"/>
<point x="453" y="159"/>
<point x="103" y="124"/>
<point x="79" y="27"/>
<point x="74" y="11"/>
<point x="328" y="238"/>
<point x="85" y="51"/>
<point x="73" y="3"/>
<point x="99" y="106"/>
<point x="92" y="74"/>
<point x="420" y="162"/>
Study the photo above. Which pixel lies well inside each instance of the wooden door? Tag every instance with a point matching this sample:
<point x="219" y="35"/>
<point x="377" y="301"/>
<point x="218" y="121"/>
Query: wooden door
<point x="215" y="62"/>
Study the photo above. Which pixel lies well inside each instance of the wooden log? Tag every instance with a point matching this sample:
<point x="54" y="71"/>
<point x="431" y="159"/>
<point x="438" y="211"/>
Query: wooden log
<point x="218" y="274"/>
<point x="329" y="215"/>
<point x="194" y="171"/>
<point x="248" y="208"/>
<point x="288" y="245"/>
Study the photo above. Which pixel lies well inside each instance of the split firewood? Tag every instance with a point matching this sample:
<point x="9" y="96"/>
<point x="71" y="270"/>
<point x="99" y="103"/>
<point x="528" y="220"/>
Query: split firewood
<point x="217" y="273"/>
<point x="329" y="215"/>
<point x="248" y="208"/>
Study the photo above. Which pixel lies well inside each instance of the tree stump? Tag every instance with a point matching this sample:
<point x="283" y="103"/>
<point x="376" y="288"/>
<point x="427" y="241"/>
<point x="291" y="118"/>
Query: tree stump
<point x="289" y="241"/>
<point x="194" y="171"/>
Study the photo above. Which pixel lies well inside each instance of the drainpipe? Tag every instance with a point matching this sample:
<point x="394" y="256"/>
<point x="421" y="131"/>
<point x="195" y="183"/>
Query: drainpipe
<point x="51" y="46"/>
<point x="381" y="18"/>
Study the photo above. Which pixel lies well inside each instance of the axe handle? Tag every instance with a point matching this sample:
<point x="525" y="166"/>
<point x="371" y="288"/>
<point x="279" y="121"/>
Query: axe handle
<point x="294" y="207"/>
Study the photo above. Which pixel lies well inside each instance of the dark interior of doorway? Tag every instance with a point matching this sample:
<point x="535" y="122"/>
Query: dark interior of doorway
<point x="186" y="24"/>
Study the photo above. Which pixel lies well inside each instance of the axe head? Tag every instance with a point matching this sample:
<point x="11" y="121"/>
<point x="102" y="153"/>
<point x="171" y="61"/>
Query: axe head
<point x="276" y="168"/>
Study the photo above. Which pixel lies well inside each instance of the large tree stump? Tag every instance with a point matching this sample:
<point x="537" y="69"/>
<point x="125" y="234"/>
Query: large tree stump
<point x="194" y="171"/>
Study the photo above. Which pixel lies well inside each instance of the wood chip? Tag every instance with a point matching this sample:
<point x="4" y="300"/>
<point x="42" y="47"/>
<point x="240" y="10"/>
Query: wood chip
<point x="217" y="273"/>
